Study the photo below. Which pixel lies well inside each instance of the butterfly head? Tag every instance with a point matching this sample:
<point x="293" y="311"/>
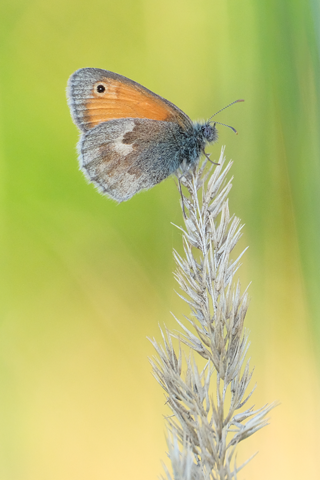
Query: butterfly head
<point x="205" y="133"/>
<point x="209" y="132"/>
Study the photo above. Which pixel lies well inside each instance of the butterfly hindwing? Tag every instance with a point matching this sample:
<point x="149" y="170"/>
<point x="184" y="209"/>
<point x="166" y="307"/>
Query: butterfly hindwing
<point x="123" y="156"/>
<point x="96" y="96"/>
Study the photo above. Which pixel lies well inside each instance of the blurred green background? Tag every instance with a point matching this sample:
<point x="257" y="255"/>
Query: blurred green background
<point x="84" y="281"/>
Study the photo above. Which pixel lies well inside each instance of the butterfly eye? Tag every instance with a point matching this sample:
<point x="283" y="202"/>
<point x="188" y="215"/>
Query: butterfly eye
<point x="101" y="88"/>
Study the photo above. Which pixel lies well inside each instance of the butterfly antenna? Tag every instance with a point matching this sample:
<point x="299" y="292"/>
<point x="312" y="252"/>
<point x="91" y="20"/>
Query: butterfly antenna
<point x="236" y="101"/>
<point x="229" y="126"/>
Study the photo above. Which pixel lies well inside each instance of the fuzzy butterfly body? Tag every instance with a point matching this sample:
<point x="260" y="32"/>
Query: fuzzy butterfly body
<point x="131" y="138"/>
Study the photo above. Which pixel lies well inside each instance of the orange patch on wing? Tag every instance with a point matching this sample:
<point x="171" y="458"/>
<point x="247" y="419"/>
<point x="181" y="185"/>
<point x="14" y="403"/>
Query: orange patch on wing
<point x="120" y="100"/>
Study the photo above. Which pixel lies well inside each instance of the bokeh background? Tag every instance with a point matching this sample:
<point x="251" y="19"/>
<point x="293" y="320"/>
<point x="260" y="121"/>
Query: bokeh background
<point x="84" y="281"/>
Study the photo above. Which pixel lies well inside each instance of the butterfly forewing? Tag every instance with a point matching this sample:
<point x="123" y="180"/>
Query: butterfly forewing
<point x="96" y="96"/>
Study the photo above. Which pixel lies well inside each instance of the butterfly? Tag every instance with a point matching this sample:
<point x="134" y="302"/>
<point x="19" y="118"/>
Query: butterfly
<point x="131" y="138"/>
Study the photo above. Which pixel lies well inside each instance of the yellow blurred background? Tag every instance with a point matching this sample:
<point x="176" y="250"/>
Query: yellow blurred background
<point x="85" y="281"/>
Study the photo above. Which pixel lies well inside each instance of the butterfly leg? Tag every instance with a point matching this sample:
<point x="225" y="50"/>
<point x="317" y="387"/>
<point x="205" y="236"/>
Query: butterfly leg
<point x="181" y="195"/>
<point x="208" y="158"/>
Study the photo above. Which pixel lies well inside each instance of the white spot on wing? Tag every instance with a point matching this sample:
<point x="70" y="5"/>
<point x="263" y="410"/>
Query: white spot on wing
<point x="118" y="145"/>
<point x="122" y="148"/>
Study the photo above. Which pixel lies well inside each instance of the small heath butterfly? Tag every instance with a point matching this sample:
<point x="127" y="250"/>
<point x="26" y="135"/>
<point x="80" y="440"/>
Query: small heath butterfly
<point x="131" y="138"/>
